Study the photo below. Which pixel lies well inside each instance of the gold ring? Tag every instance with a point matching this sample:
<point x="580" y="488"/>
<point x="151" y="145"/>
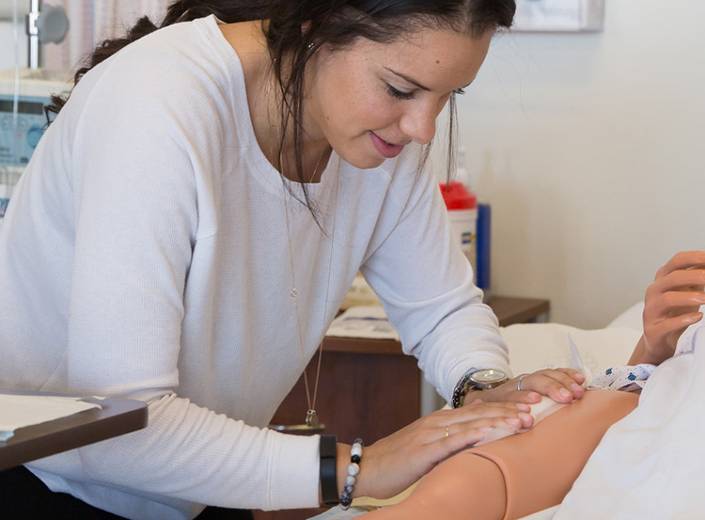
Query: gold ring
<point x="447" y="433"/>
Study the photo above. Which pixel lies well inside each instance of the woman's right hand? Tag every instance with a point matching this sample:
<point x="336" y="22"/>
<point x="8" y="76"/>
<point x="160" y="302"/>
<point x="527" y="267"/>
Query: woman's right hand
<point x="393" y="463"/>
<point x="670" y="306"/>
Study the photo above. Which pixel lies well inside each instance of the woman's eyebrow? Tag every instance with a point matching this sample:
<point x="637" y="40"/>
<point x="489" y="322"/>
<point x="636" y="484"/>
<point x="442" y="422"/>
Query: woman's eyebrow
<point x="413" y="81"/>
<point x="407" y="78"/>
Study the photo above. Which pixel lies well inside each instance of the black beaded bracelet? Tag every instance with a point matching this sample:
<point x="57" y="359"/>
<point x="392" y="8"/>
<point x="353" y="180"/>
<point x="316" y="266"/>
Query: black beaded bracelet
<point x="328" y="469"/>
<point x="353" y="472"/>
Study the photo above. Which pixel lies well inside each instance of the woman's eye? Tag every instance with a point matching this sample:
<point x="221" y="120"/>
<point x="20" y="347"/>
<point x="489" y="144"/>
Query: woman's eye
<point x="398" y="93"/>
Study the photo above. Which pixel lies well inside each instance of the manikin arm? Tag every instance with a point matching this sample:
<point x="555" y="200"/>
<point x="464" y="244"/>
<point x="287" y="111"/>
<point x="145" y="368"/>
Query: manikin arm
<point x="518" y="475"/>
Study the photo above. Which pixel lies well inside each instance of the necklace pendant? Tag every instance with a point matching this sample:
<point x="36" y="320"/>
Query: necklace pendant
<point x="312" y="419"/>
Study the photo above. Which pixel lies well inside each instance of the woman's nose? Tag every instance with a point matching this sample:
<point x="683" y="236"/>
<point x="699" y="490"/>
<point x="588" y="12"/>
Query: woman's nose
<point x="419" y="123"/>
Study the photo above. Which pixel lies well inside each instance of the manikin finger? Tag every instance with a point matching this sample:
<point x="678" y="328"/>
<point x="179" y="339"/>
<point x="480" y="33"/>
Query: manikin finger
<point x="683" y="278"/>
<point x="682" y="260"/>
<point x="680" y="302"/>
<point x="670" y="325"/>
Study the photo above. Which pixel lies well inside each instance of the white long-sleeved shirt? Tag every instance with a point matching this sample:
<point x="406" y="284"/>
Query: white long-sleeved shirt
<point x="145" y="254"/>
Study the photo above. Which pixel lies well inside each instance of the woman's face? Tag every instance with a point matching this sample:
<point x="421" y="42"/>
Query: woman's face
<point x="370" y="99"/>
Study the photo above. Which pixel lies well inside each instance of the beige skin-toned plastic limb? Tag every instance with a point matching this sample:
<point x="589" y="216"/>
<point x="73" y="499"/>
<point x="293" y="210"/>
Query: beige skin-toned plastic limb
<point x="518" y="475"/>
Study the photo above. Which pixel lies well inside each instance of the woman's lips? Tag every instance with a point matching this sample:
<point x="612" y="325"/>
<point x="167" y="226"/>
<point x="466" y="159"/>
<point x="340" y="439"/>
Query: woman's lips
<point x="385" y="149"/>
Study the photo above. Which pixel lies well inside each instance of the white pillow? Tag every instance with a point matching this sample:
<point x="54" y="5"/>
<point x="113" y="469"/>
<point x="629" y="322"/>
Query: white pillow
<point x="535" y="346"/>
<point x="631" y="318"/>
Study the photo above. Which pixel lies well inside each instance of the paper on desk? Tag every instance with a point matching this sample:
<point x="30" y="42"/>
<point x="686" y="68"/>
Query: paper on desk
<point x="18" y="411"/>
<point x="363" y="322"/>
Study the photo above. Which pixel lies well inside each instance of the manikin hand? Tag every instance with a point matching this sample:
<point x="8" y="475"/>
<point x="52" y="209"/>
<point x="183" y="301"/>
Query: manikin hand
<point x="393" y="463"/>
<point x="671" y="305"/>
<point x="563" y="385"/>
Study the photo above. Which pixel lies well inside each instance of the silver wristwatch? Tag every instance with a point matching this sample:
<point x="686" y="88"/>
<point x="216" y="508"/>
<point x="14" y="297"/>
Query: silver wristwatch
<point x="482" y="379"/>
<point x="487" y="378"/>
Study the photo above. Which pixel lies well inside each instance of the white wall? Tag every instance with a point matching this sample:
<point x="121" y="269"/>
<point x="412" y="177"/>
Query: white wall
<point x="590" y="149"/>
<point x="7" y="43"/>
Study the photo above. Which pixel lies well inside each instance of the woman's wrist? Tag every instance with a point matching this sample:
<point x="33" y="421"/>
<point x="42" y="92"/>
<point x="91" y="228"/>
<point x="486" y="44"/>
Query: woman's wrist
<point x="352" y="476"/>
<point x="363" y="477"/>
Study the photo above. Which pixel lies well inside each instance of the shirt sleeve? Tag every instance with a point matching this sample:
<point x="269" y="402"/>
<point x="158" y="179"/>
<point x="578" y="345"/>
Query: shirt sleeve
<point x="426" y="285"/>
<point x="138" y="167"/>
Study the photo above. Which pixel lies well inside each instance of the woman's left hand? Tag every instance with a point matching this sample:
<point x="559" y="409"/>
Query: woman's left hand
<point x="563" y="385"/>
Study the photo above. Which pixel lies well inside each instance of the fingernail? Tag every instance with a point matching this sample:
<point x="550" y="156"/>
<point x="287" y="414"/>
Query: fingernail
<point x="525" y="417"/>
<point x="577" y="388"/>
<point x="565" y="393"/>
<point x="523" y="407"/>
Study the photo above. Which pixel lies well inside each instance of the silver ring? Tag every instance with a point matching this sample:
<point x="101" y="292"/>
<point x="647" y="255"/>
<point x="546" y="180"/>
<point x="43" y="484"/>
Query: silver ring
<point x="520" y="379"/>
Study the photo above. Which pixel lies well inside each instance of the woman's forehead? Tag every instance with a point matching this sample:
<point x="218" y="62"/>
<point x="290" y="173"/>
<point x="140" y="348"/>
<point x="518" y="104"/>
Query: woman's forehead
<point x="437" y="59"/>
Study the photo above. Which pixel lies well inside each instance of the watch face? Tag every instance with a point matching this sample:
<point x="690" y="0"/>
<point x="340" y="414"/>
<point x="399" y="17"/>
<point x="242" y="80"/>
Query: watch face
<point x="488" y="376"/>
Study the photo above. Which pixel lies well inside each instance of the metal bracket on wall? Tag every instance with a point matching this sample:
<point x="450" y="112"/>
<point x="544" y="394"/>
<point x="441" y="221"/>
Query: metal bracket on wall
<point x="44" y="24"/>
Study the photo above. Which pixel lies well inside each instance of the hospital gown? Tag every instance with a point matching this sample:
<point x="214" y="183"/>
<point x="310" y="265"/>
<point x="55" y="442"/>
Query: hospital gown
<point x="650" y="464"/>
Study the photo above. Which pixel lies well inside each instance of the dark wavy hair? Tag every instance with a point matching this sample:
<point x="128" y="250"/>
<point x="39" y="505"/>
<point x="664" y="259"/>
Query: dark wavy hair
<point x="334" y="22"/>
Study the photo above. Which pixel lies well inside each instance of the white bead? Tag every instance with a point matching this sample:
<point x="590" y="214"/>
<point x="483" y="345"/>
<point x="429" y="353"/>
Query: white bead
<point x="350" y="480"/>
<point x="353" y="469"/>
<point x="356" y="450"/>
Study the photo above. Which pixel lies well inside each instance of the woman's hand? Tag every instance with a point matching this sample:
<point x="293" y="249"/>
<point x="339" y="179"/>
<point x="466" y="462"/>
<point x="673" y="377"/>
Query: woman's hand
<point x="393" y="463"/>
<point x="563" y="385"/>
<point x="670" y="306"/>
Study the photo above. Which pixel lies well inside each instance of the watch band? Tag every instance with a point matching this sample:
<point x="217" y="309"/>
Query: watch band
<point x="462" y="388"/>
<point x="328" y="469"/>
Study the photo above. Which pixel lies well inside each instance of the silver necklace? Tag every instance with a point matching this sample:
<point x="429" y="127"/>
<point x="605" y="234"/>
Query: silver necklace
<point x="311" y="422"/>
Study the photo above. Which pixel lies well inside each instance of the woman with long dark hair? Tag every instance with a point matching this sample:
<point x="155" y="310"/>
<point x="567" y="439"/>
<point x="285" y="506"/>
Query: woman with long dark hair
<point x="190" y="223"/>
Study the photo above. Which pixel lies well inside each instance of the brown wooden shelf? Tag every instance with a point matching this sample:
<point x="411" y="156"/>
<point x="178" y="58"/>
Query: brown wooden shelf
<point x="509" y="310"/>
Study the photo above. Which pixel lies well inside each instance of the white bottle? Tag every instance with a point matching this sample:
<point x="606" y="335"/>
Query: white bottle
<point x="462" y="210"/>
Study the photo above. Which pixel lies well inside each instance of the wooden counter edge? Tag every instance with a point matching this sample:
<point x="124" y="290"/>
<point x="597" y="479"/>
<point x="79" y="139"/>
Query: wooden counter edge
<point x="117" y="417"/>
<point x="510" y="310"/>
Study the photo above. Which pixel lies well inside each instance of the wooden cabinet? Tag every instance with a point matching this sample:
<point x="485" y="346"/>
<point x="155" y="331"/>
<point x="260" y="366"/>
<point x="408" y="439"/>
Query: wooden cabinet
<point x="368" y="388"/>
